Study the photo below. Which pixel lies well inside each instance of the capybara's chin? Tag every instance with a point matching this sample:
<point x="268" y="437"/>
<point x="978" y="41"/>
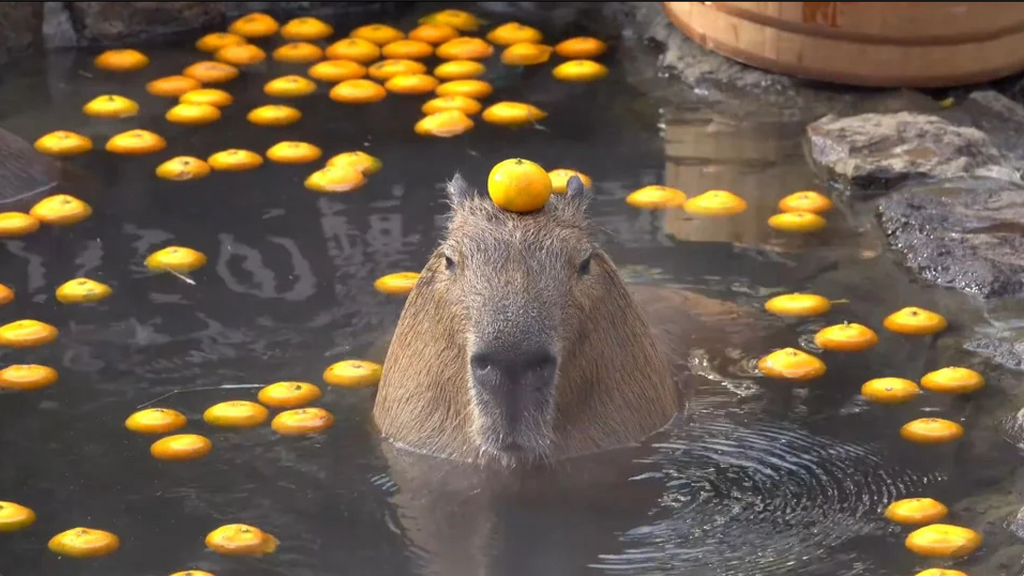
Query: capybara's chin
<point x="514" y="428"/>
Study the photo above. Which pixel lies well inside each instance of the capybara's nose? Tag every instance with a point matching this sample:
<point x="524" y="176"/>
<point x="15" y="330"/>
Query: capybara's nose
<point x="508" y="368"/>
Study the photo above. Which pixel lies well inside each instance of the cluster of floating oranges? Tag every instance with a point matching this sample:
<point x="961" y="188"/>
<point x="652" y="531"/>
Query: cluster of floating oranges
<point x="374" y="60"/>
<point x="799" y="212"/>
<point x="797" y="365"/>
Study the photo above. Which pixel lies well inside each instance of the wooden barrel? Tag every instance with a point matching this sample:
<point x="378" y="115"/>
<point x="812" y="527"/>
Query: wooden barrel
<point x="875" y="44"/>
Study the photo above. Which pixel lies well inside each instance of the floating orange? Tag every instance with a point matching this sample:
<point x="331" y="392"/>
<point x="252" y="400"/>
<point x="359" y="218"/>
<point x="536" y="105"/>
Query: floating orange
<point x="433" y="33"/>
<point x="121" y="60"/>
<point x="791" y="364"/>
<point x="193" y="114"/>
<point x="379" y="34"/>
<point x="84" y="543"/>
<point x="846" y="337"/>
<point x="580" y="47"/>
<point x="179" y="447"/>
<point x="916" y="511"/>
<point x="579" y="71"/>
<point x="459" y="19"/>
<point x="17" y="224"/>
<point x="234" y="160"/>
<point x="236" y="414"/>
<point x="241" y="540"/>
<point x="25" y="377"/>
<point x="953" y="380"/>
<point x="274" y="115"/>
<point x="111" y="106"/>
<point x="444" y="124"/>
<point x="302" y="421"/>
<point x="931" y="431"/>
<point x="465" y="48"/>
<point x="798" y="222"/>
<point x="298" y="53"/>
<point x="216" y="40"/>
<point x="459" y="70"/>
<point x="211" y="96"/>
<point x="136" y="142"/>
<point x="512" y="113"/>
<point x="411" y="84"/>
<point x="172" y="86"/>
<point x="290" y="152"/>
<point x="82" y="291"/>
<point x="464" y="104"/>
<point x="889" y="390"/>
<point x="210" y="72"/>
<point x="14" y="517"/>
<point x="289" y="394"/>
<point x="26" y="334"/>
<point x="353" y="373"/>
<point x="241" y="55"/>
<point x="514" y="33"/>
<point x="6" y="295"/>
<point x="255" y="25"/>
<point x="63" y="143"/>
<point x="306" y="28"/>
<point x="915" y="321"/>
<point x="355" y="49"/>
<point x="715" y="203"/>
<point x="798" y="305"/>
<point x="335" y="179"/>
<point x="656" y="197"/>
<point x="291" y="86"/>
<point x="181" y="168"/>
<point x="358" y="91"/>
<point x="805" y="201"/>
<point x="407" y="49"/>
<point x="155" y="421"/>
<point x="60" y="210"/>
<point x="335" y="71"/>
<point x="386" y="69"/>
<point x="560" y="179"/>
<point x="526" y="54"/>
<point x="359" y="160"/>
<point x="943" y="541"/>
<point x="469" y="87"/>
<point x="175" y="259"/>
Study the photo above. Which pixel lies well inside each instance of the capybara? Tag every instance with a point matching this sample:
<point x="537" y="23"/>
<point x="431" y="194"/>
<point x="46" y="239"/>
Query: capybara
<point x="521" y="342"/>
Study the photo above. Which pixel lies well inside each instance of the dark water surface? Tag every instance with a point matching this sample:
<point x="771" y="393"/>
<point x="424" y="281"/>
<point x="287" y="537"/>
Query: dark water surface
<point x="762" y="478"/>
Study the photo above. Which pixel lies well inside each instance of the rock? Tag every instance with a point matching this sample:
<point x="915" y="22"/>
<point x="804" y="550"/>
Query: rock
<point x="1002" y="119"/>
<point x="294" y="9"/>
<point x="21" y="26"/>
<point x="58" y="31"/>
<point x="107" y="23"/>
<point x="23" y="171"/>
<point x="877" y="152"/>
<point x="968" y="236"/>
<point x="1004" y="352"/>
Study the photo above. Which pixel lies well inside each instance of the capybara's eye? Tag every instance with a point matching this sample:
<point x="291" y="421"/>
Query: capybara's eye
<point x="585" y="266"/>
<point x="449" y="264"/>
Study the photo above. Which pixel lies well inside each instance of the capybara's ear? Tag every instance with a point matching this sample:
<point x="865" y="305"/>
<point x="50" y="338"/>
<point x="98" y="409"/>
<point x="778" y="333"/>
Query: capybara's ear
<point x="577" y="195"/>
<point x="459" y="190"/>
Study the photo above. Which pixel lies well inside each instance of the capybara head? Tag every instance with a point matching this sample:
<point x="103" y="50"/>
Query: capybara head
<point x="520" y="341"/>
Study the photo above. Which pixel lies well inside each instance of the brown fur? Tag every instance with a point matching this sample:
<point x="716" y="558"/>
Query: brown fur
<point x="613" y="385"/>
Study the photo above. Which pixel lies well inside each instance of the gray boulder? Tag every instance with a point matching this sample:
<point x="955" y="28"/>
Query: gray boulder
<point x="968" y="236"/>
<point x="875" y="153"/>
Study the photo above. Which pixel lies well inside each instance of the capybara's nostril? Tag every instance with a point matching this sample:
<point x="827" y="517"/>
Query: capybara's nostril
<point x="480" y="363"/>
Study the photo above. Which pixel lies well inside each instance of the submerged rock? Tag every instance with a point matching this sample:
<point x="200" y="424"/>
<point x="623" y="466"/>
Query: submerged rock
<point x="100" y="23"/>
<point x="23" y="171"/>
<point x="20" y="27"/>
<point x="877" y="152"/>
<point x="1008" y="353"/>
<point x="969" y="237"/>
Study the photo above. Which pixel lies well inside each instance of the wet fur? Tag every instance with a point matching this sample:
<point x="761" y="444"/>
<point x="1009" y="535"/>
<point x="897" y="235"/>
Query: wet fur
<point x="613" y="386"/>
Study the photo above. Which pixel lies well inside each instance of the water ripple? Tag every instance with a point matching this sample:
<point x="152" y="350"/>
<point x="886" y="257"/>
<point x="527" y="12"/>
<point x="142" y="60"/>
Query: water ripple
<point x="762" y="499"/>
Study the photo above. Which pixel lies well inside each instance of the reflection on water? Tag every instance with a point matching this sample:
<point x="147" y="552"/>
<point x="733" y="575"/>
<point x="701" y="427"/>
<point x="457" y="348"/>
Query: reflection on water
<point x="758" y="477"/>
